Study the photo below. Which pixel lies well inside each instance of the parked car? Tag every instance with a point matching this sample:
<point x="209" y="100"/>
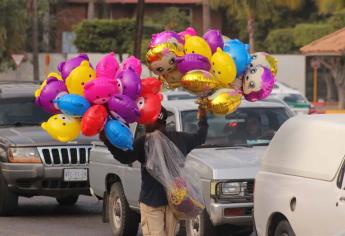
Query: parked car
<point x="178" y="94"/>
<point x="226" y="164"/>
<point x="31" y="162"/>
<point x="300" y="189"/>
<point x="297" y="102"/>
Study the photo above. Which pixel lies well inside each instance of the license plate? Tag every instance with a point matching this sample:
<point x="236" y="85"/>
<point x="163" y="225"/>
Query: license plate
<point x="75" y="175"/>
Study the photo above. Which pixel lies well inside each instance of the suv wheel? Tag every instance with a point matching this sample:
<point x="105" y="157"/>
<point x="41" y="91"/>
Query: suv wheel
<point x="123" y="221"/>
<point x="284" y="229"/>
<point x="67" y="200"/>
<point x="200" y="226"/>
<point x="8" y="200"/>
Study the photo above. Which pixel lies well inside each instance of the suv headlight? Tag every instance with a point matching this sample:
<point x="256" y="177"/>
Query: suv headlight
<point x="229" y="189"/>
<point x="23" y="155"/>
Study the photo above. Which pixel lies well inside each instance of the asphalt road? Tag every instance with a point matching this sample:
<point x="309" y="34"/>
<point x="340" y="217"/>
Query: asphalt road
<point x="42" y="216"/>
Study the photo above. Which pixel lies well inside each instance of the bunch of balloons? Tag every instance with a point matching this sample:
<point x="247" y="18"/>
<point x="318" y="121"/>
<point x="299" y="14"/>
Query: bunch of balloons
<point x="217" y="70"/>
<point x="85" y="101"/>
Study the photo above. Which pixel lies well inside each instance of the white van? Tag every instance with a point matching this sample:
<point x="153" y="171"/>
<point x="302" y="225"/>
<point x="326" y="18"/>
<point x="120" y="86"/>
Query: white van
<point x="300" y="189"/>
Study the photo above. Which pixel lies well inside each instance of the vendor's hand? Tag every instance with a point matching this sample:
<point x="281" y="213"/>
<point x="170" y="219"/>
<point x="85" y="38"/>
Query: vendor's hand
<point x="202" y="112"/>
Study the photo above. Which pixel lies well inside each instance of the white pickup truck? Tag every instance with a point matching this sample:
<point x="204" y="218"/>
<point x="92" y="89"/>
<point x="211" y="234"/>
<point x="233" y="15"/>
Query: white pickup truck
<point x="227" y="165"/>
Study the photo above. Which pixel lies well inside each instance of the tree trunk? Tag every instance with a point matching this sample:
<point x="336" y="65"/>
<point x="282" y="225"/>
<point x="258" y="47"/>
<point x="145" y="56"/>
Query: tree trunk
<point x="35" y="40"/>
<point x="91" y="10"/>
<point x="139" y="27"/>
<point x="341" y="96"/>
<point x="331" y="91"/>
<point x="251" y="30"/>
<point x="205" y="16"/>
<point x="46" y="30"/>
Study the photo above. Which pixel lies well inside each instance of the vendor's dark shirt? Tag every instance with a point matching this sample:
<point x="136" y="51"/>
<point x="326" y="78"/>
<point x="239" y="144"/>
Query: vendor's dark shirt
<point x="152" y="192"/>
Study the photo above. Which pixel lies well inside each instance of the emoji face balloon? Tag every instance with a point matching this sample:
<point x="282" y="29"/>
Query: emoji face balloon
<point x="188" y="31"/>
<point x="123" y="108"/>
<point x="107" y="66"/>
<point x="94" y="120"/>
<point x="266" y="60"/>
<point x="72" y="104"/>
<point x="200" y="82"/>
<point x="239" y="53"/>
<point x="165" y="37"/>
<point x="257" y="83"/>
<point x="161" y="58"/>
<point x="100" y="90"/>
<point x="79" y="77"/>
<point x="197" y="45"/>
<point x="119" y="135"/>
<point x="149" y="107"/>
<point x="44" y="83"/>
<point x="53" y="89"/>
<point x="223" y="67"/>
<point x="224" y="101"/>
<point x="66" y="67"/>
<point x="192" y="62"/>
<point x="151" y="85"/>
<point x="132" y="62"/>
<point x="62" y="127"/>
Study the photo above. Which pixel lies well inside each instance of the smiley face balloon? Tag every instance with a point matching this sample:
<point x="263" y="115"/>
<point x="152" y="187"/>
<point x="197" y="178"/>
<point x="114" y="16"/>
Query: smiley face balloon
<point x="62" y="127"/>
<point x="197" y="45"/>
<point x="79" y="77"/>
<point x="199" y="82"/>
<point x="257" y="83"/>
<point x="223" y="67"/>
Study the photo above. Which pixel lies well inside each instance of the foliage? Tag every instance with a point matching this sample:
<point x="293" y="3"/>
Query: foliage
<point x="172" y="18"/>
<point x="280" y="41"/>
<point x="337" y="20"/>
<point x="330" y="6"/>
<point x="306" y="33"/>
<point x="12" y="30"/>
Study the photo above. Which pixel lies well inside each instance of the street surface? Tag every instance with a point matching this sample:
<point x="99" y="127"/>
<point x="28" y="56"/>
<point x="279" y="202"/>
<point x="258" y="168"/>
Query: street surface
<point x="42" y="216"/>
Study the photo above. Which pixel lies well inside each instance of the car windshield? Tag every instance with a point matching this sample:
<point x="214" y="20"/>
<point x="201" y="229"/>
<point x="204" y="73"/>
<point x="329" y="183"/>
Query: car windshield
<point x="246" y="126"/>
<point x="294" y="99"/>
<point x="21" y="111"/>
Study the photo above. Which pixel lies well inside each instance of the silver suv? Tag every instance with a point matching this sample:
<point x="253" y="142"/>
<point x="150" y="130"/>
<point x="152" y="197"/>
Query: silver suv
<point x="31" y="162"/>
<point x="226" y="164"/>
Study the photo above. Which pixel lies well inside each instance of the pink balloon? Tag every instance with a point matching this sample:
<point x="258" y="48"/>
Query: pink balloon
<point x="132" y="62"/>
<point x="189" y="31"/>
<point x="107" y="66"/>
<point x="100" y="90"/>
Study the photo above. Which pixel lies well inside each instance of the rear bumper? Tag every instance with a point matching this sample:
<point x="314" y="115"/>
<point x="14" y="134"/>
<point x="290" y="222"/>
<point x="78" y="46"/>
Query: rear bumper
<point x="218" y="217"/>
<point x="36" y="179"/>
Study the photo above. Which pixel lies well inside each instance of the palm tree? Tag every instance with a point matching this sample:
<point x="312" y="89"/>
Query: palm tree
<point x="251" y="10"/>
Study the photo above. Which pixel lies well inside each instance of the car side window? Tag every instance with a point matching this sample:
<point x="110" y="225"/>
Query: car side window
<point x="341" y="177"/>
<point x="171" y="122"/>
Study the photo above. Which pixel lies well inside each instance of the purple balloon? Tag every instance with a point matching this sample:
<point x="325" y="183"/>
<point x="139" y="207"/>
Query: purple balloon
<point x="129" y="83"/>
<point x="214" y="39"/>
<point x="53" y="89"/>
<point x="166" y="37"/>
<point x="123" y="108"/>
<point x="192" y="62"/>
<point x="65" y="67"/>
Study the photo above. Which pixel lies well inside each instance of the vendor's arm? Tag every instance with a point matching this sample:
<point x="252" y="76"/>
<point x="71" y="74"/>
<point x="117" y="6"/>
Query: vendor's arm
<point x="129" y="156"/>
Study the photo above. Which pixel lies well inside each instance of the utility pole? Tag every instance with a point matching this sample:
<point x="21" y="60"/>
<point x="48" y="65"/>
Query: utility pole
<point x="205" y="16"/>
<point x="91" y="10"/>
<point x="35" y="39"/>
<point x="139" y="28"/>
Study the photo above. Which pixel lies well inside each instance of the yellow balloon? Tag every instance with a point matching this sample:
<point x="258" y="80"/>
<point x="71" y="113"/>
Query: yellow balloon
<point x="62" y="127"/>
<point x="224" y="101"/>
<point x="44" y="83"/>
<point x="266" y="60"/>
<point x="223" y="67"/>
<point x="199" y="82"/>
<point x="79" y="77"/>
<point x="198" y="45"/>
<point x="172" y="79"/>
<point x="161" y="58"/>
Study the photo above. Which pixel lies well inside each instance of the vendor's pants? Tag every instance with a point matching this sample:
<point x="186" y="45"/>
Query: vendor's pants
<point x="157" y="221"/>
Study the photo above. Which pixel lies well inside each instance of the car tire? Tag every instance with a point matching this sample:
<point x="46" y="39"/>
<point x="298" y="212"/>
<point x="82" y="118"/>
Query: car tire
<point x="200" y="226"/>
<point x="8" y="199"/>
<point x="67" y="200"/>
<point x="284" y="229"/>
<point x="123" y="221"/>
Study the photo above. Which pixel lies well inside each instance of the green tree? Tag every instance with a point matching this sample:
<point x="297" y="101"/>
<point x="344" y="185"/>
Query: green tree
<point x="253" y="10"/>
<point x="330" y="6"/>
<point x="280" y="41"/>
<point x="13" y="23"/>
<point x="172" y="18"/>
<point x="306" y="33"/>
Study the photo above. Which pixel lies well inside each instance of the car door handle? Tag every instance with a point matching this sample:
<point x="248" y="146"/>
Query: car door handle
<point x="131" y="165"/>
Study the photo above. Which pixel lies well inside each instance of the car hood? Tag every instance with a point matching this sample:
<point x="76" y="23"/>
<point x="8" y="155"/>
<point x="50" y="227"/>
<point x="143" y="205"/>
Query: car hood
<point x="227" y="163"/>
<point x="34" y="136"/>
